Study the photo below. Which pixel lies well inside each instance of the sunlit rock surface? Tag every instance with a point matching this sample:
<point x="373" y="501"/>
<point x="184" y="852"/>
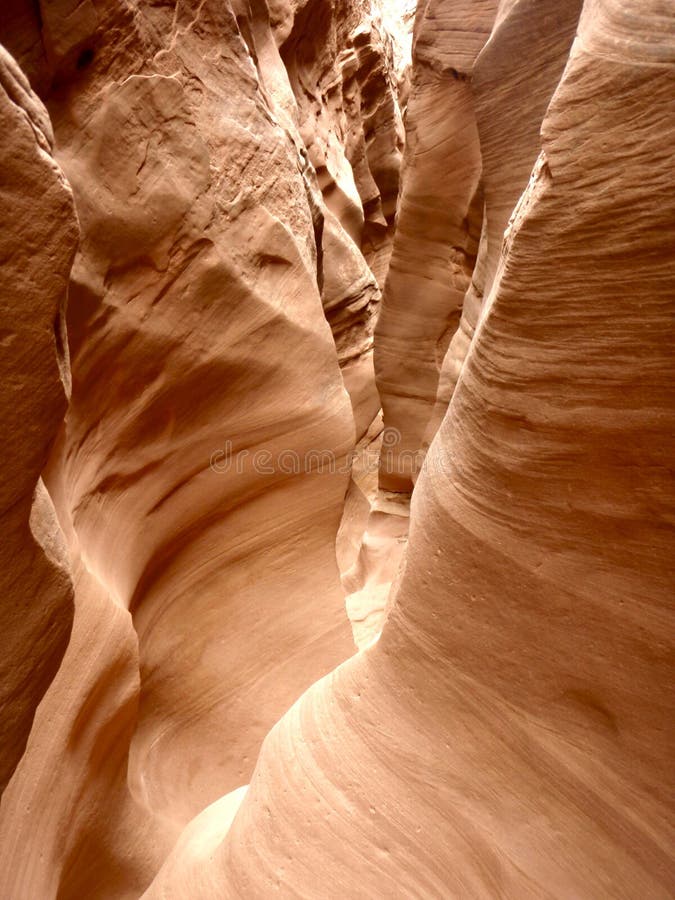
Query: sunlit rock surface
<point x="512" y="82"/>
<point x="189" y="474"/>
<point x="344" y="68"/>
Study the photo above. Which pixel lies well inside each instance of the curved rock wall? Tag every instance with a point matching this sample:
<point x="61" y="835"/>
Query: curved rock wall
<point x="510" y="733"/>
<point x="342" y="69"/>
<point x="204" y="380"/>
<point x="207" y="439"/>
<point x="512" y="82"/>
<point x="233" y="165"/>
<point x="341" y="65"/>
<point x="37" y="245"/>
<point x="437" y="231"/>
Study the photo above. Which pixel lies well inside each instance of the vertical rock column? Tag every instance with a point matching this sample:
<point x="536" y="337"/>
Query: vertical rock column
<point x="429" y="271"/>
<point x="512" y="83"/>
<point x="437" y="229"/>
<point x="341" y="70"/>
<point x="202" y="467"/>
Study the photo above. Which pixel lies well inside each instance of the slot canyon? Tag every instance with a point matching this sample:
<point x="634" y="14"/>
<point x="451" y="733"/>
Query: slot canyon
<point x="338" y="404"/>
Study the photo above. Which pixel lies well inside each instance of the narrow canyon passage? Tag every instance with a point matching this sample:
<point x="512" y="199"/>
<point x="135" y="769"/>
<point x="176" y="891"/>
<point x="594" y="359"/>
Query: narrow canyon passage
<point x="338" y="400"/>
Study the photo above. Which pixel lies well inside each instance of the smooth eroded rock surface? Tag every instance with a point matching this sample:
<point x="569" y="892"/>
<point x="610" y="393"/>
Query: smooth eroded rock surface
<point x="438" y="228"/>
<point x="513" y="79"/>
<point x="511" y="732"/>
<point x="228" y="493"/>
<point x="37" y="245"/>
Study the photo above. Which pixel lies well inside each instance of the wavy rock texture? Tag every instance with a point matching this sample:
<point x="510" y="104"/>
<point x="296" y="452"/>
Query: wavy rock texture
<point x="438" y="227"/>
<point x="189" y="476"/>
<point x="342" y="68"/>
<point x="379" y="520"/>
<point x="511" y="732"/>
<point x="69" y="825"/>
<point x="372" y="539"/>
<point x="345" y="69"/>
<point x="37" y="245"/>
<point x="512" y="82"/>
<point x="369" y="581"/>
<point x="433" y="256"/>
<point x="233" y="167"/>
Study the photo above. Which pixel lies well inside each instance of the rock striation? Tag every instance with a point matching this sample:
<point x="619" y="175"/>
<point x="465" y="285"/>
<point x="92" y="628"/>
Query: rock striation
<point x="223" y="476"/>
<point x="342" y="67"/>
<point x="205" y="392"/>
<point x="207" y="439"/>
<point x="512" y="82"/>
<point x="510" y="733"/>
<point x="438" y="227"/>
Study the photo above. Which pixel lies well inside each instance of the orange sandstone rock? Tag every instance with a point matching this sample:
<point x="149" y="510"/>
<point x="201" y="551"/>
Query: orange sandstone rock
<point x="512" y="83"/>
<point x="511" y="734"/>
<point x="37" y="244"/>
<point x="438" y="227"/>
<point x="190" y="474"/>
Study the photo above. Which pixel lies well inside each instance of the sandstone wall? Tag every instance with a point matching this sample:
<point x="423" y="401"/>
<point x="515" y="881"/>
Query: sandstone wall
<point x="438" y="227"/>
<point x="234" y="168"/>
<point x="38" y="241"/>
<point x="511" y="732"/>
<point x="341" y="65"/>
<point x="188" y="475"/>
<point x="512" y="83"/>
